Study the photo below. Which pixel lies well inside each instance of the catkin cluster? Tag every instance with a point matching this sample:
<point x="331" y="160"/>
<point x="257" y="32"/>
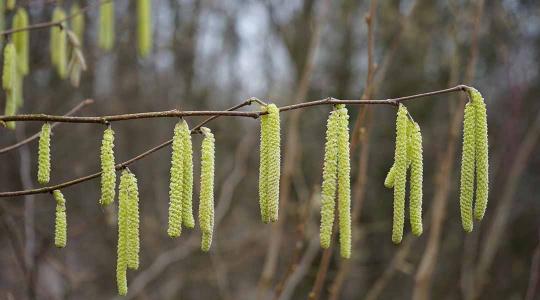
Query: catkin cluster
<point x="336" y="177"/>
<point x="9" y="81"/>
<point x="128" y="229"/>
<point x="106" y="25"/>
<point x="58" y="43"/>
<point x="144" y="27"/>
<point x="108" y="176"/>
<point x="270" y="161"/>
<point x="474" y="160"/>
<point x="181" y="184"/>
<point x="60" y="228"/>
<point x="206" y="200"/>
<point x="44" y="154"/>
<point x="408" y="154"/>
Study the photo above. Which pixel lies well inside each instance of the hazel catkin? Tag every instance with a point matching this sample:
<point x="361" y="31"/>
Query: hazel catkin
<point x="481" y="153"/>
<point x="133" y="236"/>
<point x="77" y="22"/>
<point x="106" y="26"/>
<point x="467" y="167"/>
<point x="9" y="81"/>
<point x="21" y="41"/>
<point x="122" y="260"/>
<point x="206" y="201"/>
<point x="400" y="161"/>
<point x="187" y="177"/>
<point x="108" y="171"/>
<point x="44" y="154"/>
<point x="344" y="183"/>
<point x="270" y="161"/>
<point x="415" y="202"/>
<point x="175" y="185"/>
<point x="144" y="27"/>
<point x="60" y="227"/>
<point x="58" y="43"/>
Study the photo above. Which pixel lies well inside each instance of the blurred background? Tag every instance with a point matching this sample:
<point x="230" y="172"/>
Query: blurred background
<point x="211" y="55"/>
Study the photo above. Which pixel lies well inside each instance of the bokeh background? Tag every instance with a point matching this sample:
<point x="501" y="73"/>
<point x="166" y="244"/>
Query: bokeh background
<point x="210" y="55"/>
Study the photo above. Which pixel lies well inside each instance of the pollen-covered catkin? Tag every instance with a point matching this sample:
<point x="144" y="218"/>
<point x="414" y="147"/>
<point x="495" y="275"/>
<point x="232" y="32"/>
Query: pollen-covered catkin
<point x="390" y="176"/>
<point x="106" y="26"/>
<point x="44" y="154"/>
<point x="58" y="43"/>
<point x="20" y="39"/>
<point x="60" y="223"/>
<point x="206" y="201"/>
<point x="344" y="184"/>
<point x="187" y="177"/>
<point x="9" y="81"/>
<point x="122" y="260"/>
<point x="417" y="165"/>
<point x="400" y="161"/>
<point x="144" y="26"/>
<point x="329" y="183"/>
<point x="77" y="22"/>
<point x="108" y="176"/>
<point x="133" y="223"/>
<point x="467" y="168"/>
<point x="481" y="153"/>
<point x="270" y="161"/>
<point x="175" y="184"/>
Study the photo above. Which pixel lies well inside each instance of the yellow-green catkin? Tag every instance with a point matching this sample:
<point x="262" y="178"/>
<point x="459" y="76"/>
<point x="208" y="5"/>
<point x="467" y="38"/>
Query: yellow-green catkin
<point x="9" y="81"/>
<point x="77" y="22"/>
<point x="270" y="161"/>
<point x="417" y="165"/>
<point x="187" y="177"/>
<point x="144" y="27"/>
<point x="133" y="223"/>
<point x="44" y="154"/>
<point x="467" y="167"/>
<point x="58" y="43"/>
<point x="122" y="260"/>
<point x="329" y="177"/>
<point x="390" y="176"/>
<point x="400" y="161"/>
<point x="108" y="171"/>
<point x="21" y="40"/>
<point x="175" y="184"/>
<point x="206" y="200"/>
<point x="344" y="183"/>
<point x="481" y="152"/>
<point x="10" y="4"/>
<point x="60" y="223"/>
<point x="106" y="26"/>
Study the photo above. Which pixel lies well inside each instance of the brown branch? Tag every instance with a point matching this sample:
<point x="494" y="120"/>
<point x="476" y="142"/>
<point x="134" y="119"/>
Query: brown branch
<point x="36" y="135"/>
<point x="49" y="24"/>
<point x="255" y="114"/>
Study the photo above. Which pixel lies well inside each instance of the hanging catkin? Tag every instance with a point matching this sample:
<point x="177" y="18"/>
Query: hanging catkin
<point x="400" y="161"/>
<point x="415" y="202"/>
<point x="108" y="172"/>
<point x="58" y="43"/>
<point x="21" y="41"/>
<point x="133" y="223"/>
<point x="106" y="25"/>
<point x="44" y="154"/>
<point x="270" y="158"/>
<point x="122" y="260"/>
<point x="60" y="227"/>
<point x="467" y="167"/>
<point x="10" y="4"/>
<point x="390" y="176"/>
<point x="329" y="184"/>
<point x="481" y="153"/>
<point x="206" y="201"/>
<point x="144" y="27"/>
<point x="77" y="22"/>
<point x="187" y="177"/>
<point x="175" y="185"/>
<point x="9" y="81"/>
<point x="344" y="183"/>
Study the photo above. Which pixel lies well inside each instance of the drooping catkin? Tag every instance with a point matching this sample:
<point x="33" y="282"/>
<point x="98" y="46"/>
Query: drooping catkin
<point x="60" y="223"/>
<point x="21" y="40"/>
<point x="270" y="162"/>
<point x="175" y="185"/>
<point x="329" y="183"/>
<point x="77" y="22"/>
<point x="122" y="260"/>
<point x="44" y="154"/>
<point x="10" y="4"/>
<point x="9" y="81"/>
<point x="390" y="176"/>
<point x="206" y="201"/>
<point x="108" y="175"/>
<point x="133" y="223"/>
<point x="344" y="183"/>
<point x="106" y="26"/>
<point x="187" y="177"/>
<point x="400" y="161"/>
<point x="467" y="167"/>
<point x="144" y="27"/>
<point x="58" y="43"/>
<point x="417" y="165"/>
<point x="481" y="153"/>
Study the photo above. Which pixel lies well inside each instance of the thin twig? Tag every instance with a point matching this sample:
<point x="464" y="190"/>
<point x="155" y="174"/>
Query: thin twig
<point x="36" y="135"/>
